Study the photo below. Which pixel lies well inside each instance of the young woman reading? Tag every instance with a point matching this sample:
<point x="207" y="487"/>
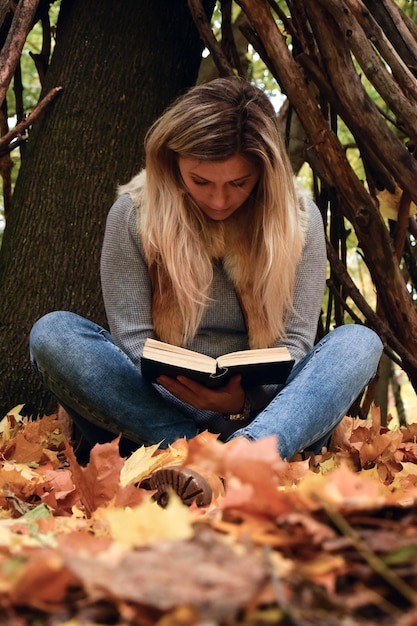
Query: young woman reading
<point x="211" y="247"/>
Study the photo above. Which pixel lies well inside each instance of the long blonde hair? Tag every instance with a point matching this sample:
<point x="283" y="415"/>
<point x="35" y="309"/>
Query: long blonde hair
<point x="213" y="122"/>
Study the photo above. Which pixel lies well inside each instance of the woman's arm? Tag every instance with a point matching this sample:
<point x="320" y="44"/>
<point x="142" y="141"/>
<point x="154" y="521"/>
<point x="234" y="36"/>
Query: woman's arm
<point x="125" y="281"/>
<point x="301" y="327"/>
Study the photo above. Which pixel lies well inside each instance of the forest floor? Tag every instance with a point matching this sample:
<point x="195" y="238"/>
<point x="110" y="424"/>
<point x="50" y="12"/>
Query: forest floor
<point x="327" y="540"/>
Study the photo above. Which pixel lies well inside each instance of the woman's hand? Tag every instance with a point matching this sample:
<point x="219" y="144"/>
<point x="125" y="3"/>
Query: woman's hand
<point x="229" y="398"/>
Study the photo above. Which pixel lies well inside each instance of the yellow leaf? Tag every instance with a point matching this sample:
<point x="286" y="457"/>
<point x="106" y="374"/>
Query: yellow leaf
<point x="149" y="523"/>
<point x="328" y="465"/>
<point x="24" y="470"/>
<point x="15" y="413"/>
<point x="144" y="461"/>
<point x="138" y="465"/>
<point x="389" y="204"/>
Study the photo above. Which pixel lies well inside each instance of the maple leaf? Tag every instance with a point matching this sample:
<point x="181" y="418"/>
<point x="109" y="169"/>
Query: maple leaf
<point x="254" y="474"/>
<point x="129" y="553"/>
<point x="18" y="482"/>
<point x="145" y="460"/>
<point x="342" y="488"/>
<point x="98" y="484"/>
<point x="57" y="490"/>
<point x="206" y="452"/>
<point x="9" y="421"/>
<point x="148" y="522"/>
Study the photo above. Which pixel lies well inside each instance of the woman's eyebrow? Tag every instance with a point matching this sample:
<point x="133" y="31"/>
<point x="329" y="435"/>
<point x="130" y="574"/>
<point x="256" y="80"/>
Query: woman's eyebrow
<point x="234" y="180"/>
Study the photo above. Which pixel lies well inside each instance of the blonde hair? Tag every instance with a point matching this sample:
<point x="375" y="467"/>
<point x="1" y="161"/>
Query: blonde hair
<point x="213" y="122"/>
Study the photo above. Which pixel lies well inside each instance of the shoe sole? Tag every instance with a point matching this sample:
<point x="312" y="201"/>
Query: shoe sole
<point x="186" y="483"/>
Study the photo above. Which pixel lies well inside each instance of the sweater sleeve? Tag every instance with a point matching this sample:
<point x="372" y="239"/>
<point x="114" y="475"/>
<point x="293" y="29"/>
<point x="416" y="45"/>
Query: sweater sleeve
<point x="125" y="281"/>
<point x="301" y="327"/>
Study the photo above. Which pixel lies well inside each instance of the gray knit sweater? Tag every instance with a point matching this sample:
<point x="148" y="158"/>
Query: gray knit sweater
<point x="127" y="296"/>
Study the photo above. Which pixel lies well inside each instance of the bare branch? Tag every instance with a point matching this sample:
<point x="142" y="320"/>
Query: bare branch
<point x="373" y="320"/>
<point x="10" y="54"/>
<point x="396" y="16"/>
<point x="5" y="7"/>
<point x="28" y="121"/>
<point x="401" y="72"/>
<point x="206" y="34"/>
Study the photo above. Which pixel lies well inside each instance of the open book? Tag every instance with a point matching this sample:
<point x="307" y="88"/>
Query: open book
<point x="257" y="367"/>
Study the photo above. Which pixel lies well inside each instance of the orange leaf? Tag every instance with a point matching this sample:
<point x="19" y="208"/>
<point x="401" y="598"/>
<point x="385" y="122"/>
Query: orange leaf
<point x="98" y="482"/>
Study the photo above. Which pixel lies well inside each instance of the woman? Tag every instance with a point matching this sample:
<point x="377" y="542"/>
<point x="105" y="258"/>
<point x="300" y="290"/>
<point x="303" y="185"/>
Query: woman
<point x="212" y="247"/>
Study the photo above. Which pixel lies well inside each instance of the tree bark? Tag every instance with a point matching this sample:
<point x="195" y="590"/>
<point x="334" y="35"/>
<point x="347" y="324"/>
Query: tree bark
<point x="119" y="64"/>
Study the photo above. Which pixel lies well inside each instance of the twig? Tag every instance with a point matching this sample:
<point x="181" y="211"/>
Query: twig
<point x="279" y="592"/>
<point x="13" y="46"/>
<point x="21" y="126"/>
<point x="203" y="25"/>
<point x="370" y="557"/>
<point x="336" y="293"/>
<point x="374" y="321"/>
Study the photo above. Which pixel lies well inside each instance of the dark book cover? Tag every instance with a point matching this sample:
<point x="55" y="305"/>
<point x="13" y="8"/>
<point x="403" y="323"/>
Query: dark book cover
<point x="253" y="374"/>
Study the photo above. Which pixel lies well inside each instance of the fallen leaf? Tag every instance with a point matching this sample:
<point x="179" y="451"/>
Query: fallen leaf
<point x="149" y="523"/>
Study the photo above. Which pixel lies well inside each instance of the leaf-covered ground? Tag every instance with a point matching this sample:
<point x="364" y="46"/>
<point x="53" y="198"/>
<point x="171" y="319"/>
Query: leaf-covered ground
<point x="329" y="540"/>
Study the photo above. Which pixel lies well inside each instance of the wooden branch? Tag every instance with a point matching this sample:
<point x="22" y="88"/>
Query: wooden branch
<point x="403" y="36"/>
<point x="203" y="25"/>
<point x="342" y="301"/>
<point x="374" y="68"/>
<point x="359" y="111"/>
<point x="28" y="121"/>
<point x="402" y="74"/>
<point x="369" y="150"/>
<point x="331" y="53"/>
<point x="402" y="225"/>
<point x="12" y="49"/>
<point x="229" y="45"/>
<point x="395" y="14"/>
<point x="372" y="319"/>
<point x="5" y="7"/>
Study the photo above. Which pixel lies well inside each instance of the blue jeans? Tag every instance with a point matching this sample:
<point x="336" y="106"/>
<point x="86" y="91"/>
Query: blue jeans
<point x="105" y="394"/>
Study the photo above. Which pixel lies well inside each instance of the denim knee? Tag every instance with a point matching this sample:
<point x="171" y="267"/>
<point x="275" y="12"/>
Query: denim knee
<point x="358" y="335"/>
<point x="47" y="337"/>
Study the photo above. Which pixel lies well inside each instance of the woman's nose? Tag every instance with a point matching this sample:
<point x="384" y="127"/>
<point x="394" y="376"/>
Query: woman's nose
<point x="218" y="198"/>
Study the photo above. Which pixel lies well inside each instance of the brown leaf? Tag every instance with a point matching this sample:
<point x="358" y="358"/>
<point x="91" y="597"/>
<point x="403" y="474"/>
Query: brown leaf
<point x="254" y="474"/>
<point x="98" y="483"/>
<point x="41" y="580"/>
<point x="23" y="451"/>
<point x="204" y="573"/>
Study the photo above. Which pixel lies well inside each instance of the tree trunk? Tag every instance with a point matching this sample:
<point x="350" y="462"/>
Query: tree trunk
<point x="120" y="64"/>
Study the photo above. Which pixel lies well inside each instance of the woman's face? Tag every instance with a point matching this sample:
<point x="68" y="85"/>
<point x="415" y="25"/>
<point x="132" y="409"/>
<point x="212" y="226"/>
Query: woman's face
<point x="219" y="188"/>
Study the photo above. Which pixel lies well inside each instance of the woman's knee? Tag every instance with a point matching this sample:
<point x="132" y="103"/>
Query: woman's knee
<point x="357" y="336"/>
<point x="49" y="335"/>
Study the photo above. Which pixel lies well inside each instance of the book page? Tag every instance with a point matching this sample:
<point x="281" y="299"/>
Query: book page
<point x="246" y="357"/>
<point x="176" y="355"/>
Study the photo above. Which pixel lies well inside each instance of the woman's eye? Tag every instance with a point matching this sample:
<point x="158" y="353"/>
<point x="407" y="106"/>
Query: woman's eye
<point x="200" y="182"/>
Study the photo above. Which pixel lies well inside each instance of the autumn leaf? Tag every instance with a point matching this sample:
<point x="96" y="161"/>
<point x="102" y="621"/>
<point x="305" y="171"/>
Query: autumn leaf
<point x="264" y="542"/>
<point x="342" y="488"/>
<point x="204" y="573"/>
<point x="149" y="523"/>
<point x="144" y="461"/>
